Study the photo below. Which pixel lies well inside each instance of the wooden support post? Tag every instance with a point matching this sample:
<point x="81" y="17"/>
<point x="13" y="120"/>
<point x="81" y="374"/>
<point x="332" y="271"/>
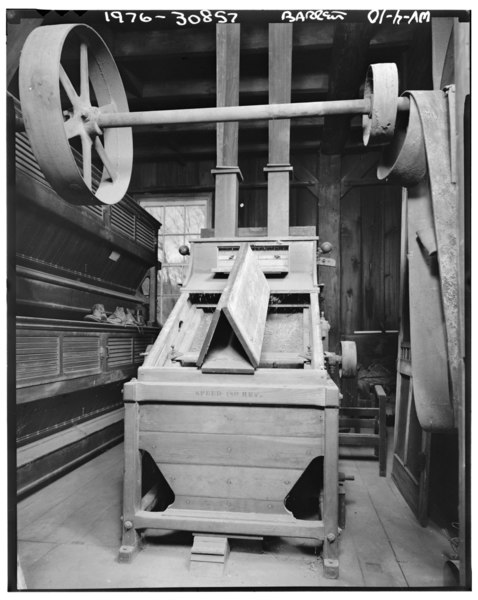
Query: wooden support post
<point x="153" y="284"/>
<point x="348" y="65"/>
<point x="329" y="231"/>
<point x="331" y="490"/>
<point x="278" y="169"/>
<point x="132" y="483"/>
<point x="227" y="173"/>
<point x="381" y="398"/>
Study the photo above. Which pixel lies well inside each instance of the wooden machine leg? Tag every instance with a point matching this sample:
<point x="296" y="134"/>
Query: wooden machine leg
<point x="132" y="483"/>
<point x="331" y="487"/>
<point x="382" y="428"/>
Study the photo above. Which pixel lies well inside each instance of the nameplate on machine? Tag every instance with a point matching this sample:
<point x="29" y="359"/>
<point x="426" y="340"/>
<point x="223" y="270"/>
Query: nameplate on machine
<point x="227" y="394"/>
<point x="272" y="258"/>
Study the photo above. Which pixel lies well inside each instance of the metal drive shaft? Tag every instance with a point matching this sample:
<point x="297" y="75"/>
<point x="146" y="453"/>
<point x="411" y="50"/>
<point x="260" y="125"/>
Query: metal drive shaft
<point x="220" y="114"/>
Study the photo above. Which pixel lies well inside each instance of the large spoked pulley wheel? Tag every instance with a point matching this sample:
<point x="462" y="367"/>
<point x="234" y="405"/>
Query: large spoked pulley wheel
<point x="67" y="79"/>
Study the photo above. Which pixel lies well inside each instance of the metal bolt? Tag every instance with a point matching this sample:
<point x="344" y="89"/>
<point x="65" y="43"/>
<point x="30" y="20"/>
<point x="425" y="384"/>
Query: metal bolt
<point x="128" y="525"/>
<point x="331" y="537"/>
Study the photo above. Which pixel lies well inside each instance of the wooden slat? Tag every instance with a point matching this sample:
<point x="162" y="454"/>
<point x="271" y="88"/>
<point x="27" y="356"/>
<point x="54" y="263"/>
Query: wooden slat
<point x="359" y="439"/>
<point x="357" y="422"/>
<point x="231" y="420"/>
<point x="238" y="450"/>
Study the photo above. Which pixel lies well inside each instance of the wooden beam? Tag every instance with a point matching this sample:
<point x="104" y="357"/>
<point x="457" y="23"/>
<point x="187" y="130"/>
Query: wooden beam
<point x="329" y="231"/>
<point x="227" y="136"/>
<point x="314" y="84"/>
<point x="130" y="45"/>
<point x="147" y="153"/>
<point x="346" y="75"/>
<point x="278" y="168"/>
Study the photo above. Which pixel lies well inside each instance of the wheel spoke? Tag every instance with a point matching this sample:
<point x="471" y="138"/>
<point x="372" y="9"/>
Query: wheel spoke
<point x="68" y="87"/>
<point x="104" y="158"/>
<point x="86" y="154"/>
<point x="84" y="75"/>
<point x="108" y="108"/>
<point x="72" y="128"/>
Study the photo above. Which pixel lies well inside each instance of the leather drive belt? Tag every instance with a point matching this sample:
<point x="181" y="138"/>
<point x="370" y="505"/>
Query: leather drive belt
<point x="419" y="158"/>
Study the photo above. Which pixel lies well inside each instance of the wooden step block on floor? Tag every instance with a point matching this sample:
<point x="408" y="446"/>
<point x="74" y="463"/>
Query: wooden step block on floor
<point x="209" y="554"/>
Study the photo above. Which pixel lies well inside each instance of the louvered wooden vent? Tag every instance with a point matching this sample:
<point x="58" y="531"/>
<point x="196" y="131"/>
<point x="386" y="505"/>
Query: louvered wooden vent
<point x="120" y="351"/>
<point x="145" y="234"/>
<point x="123" y="221"/>
<point x="37" y="356"/>
<point x="80" y="354"/>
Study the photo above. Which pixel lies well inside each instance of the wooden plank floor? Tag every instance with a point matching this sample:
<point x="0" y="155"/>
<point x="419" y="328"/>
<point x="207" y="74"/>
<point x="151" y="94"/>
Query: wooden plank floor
<point x="69" y="536"/>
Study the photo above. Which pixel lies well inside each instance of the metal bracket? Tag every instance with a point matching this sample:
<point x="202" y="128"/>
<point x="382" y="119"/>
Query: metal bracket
<point x="326" y="262"/>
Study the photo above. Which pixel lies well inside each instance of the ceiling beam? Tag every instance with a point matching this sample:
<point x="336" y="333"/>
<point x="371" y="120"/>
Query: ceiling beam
<point x="149" y="153"/>
<point x="130" y="45"/>
<point x="312" y="83"/>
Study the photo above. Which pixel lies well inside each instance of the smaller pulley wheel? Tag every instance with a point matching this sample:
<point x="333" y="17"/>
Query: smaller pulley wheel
<point x="381" y="91"/>
<point x="349" y="359"/>
<point x="67" y="79"/>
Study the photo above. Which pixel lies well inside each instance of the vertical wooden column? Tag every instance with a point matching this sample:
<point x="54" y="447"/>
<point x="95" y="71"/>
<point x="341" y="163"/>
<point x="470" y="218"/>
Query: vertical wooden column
<point x="153" y="296"/>
<point x="331" y="486"/>
<point x="132" y="482"/>
<point x="227" y="173"/>
<point x="329" y="231"/>
<point x="278" y="168"/>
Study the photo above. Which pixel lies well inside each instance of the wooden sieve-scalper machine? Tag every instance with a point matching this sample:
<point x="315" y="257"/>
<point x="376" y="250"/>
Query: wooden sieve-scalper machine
<point x="232" y="418"/>
<point x="233" y="402"/>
